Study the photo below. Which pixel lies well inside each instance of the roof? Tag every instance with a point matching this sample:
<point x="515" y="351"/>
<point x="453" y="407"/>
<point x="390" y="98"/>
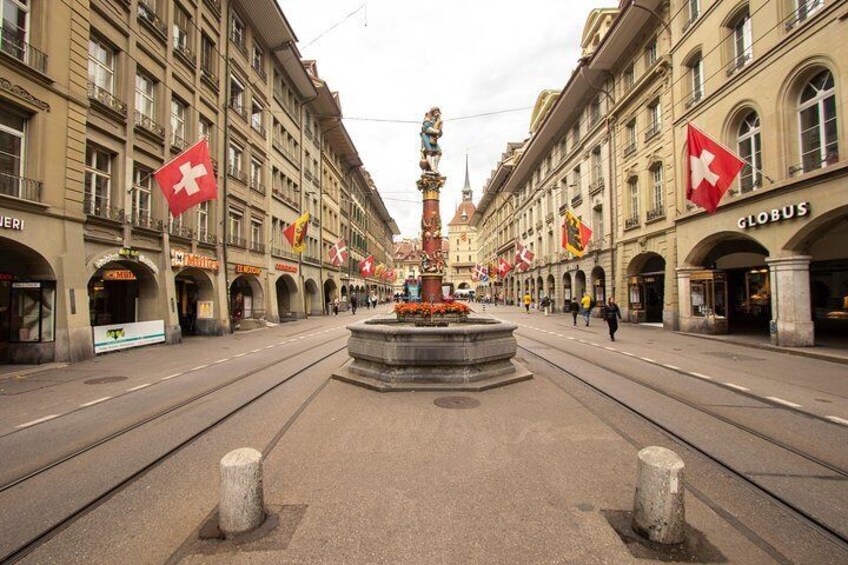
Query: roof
<point x="406" y="250"/>
<point x="464" y="213"/>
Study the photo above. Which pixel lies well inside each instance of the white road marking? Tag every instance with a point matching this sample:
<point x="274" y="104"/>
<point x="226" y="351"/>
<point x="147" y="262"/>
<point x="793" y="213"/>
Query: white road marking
<point x="737" y="387"/>
<point x="784" y="402"/>
<point x="571" y="338"/>
<point x="595" y="344"/>
<point x="199" y="367"/>
<point x="648" y="359"/>
<point x="139" y="387"/>
<point x="270" y="346"/>
<point x="93" y="402"/>
<point x="239" y="355"/>
<point x="291" y="341"/>
<point x="34" y="422"/>
<point x="628" y="354"/>
<point x="609" y="348"/>
<point x="169" y="377"/>
<point x="838" y="420"/>
<point x="701" y="376"/>
<point x="224" y="360"/>
<point x="257" y="350"/>
<point x="560" y="335"/>
<point x="672" y="367"/>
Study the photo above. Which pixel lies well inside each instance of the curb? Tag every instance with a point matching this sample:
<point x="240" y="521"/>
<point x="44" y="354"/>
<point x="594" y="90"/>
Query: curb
<point x="767" y="346"/>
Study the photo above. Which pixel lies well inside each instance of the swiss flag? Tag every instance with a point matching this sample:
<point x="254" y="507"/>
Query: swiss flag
<point x="188" y="179"/>
<point x="338" y="252"/>
<point x="366" y="266"/>
<point x="712" y="169"/>
<point x="503" y="267"/>
<point x="523" y="257"/>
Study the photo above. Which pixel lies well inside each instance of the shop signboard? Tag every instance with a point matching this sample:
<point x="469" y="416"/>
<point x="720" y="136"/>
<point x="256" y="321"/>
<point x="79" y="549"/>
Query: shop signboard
<point x="286" y="268"/>
<point x="204" y="310"/>
<point x="11" y="223"/>
<point x="185" y="259"/>
<point x="115" y="337"/>
<point x="118" y="275"/>
<point x="775" y="215"/>
<point x="248" y="270"/>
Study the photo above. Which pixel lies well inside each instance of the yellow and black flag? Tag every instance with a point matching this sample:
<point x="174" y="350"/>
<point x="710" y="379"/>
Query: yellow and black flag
<point x="575" y="234"/>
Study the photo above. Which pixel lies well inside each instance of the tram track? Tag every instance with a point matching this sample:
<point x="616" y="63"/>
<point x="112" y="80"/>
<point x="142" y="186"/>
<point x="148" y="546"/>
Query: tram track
<point x="831" y="532"/>
<point x="48" y="532"/>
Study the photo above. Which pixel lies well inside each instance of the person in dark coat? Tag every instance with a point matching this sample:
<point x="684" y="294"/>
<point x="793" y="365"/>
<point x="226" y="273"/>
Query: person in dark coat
<point x="574" y="308"/>
<point x="353" y="304"/>
<point x="612" y="314"/>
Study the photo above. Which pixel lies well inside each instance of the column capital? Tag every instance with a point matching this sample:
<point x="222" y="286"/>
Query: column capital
<point x="791" y="262"/>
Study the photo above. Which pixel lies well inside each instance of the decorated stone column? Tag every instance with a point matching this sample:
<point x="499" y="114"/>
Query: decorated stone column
<point x="430" y="183"/>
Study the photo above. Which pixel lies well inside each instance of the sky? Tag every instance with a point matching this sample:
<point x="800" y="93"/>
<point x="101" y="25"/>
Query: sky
<point x="395" y="59"/>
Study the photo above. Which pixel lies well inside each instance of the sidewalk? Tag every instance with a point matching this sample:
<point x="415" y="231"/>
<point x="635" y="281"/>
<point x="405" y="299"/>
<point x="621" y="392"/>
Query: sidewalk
<point x="525" y="477"/>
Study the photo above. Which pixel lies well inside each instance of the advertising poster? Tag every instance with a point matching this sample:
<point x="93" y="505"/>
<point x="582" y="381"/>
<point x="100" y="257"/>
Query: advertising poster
<point x="124" y="336"/>
<point x="204" y="310"/>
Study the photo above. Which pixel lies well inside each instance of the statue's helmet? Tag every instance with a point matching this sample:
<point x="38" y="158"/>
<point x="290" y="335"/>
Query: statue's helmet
<point x="435" y="110"/>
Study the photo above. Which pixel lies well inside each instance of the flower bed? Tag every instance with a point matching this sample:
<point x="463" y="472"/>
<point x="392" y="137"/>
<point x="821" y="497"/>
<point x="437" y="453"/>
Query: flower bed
<point x="425" y="311"/>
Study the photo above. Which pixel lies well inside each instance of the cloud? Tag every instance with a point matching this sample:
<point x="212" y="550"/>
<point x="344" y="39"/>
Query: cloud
<point x="466" y="57"/>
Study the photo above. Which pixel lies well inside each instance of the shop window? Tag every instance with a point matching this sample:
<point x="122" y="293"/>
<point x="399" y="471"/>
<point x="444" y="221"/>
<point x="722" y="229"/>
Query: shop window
<point x="708" y="294"/>
<point x="817" y="117"/>
<point x="32" y="311"/>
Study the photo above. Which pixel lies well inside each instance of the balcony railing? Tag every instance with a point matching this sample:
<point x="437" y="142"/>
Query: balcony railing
<point x="308" y="133"/>
<point x="315" y="182"/>
<point x="596" y="186"/>
<point x="576" y="200"/>
<point x="738" y="62"/>
<point x="549" y="218"/>
<point x="107" y="99"/>
<point x="101" y="209"/>
<point x="178" y="142"/>
<point x="258" y="127"/>
<point x="237" y="174"/>
<point x="694" y="98"/>
<point x="186" y="54"/>
<point x="261" y="72"/>
<point x="238" y="107"/>
<point x="257" y="186"/>
<point x="236" y="241"/>
<point x="147" y="16"/>
<point x="631" y="223"/>
<point x="814" y="162"/>
<point x="311" y="259"/>
<point x="806" y="8"/>
<point x="143" y="220"/>
<point x="630" y="149"/>
<point x="279" y="252"/>
<point x="13" y="44"/>
<point x="148" y="124"/>
<point x="652" y="132"/>
<point x="20" y="187"/>
<point x="184" y="232"/>
<point x="214" y="5"/>
<point x="208" y="76"/>
<point x="657" y="213"/>
<point x="257" y="247"/>
<point x="307" y="174"/>
<point x="206" y="236"/>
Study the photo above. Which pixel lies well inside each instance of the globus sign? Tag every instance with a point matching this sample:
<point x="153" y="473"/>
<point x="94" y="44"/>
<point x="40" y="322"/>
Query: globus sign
<point x="774" y="215"/>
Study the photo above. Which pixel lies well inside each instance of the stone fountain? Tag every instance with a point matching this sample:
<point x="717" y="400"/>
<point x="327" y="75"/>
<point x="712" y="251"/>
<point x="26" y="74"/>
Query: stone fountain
<point x="444" y="353"/>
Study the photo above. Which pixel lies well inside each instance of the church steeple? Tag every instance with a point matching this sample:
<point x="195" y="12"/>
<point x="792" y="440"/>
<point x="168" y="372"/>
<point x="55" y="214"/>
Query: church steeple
<point x="466" y="190"/>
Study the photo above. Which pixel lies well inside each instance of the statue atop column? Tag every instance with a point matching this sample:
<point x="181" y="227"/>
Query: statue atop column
<point x="432" y="260"/>
<point x="431" y="131"/>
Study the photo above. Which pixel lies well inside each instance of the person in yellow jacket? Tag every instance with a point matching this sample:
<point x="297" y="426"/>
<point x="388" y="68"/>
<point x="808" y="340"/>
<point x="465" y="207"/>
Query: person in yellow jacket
<point x="527" y="301"/>
<point x="587" y="303"/>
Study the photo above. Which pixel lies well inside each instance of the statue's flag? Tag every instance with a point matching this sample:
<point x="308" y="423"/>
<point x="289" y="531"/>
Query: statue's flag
<point x="188" y="179"/>
<point x="712" y="169"/>
<point x="366" y="266"/>
<point x="523" y="257"/>
<point x="503" y="267"/>
<point x="575" y="234"/>
<point x="296" y="233"/>
<point x="338" y="252"/>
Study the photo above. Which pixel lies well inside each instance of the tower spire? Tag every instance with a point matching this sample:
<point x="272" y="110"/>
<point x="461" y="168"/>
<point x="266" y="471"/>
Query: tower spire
<point x="466" y="190"/>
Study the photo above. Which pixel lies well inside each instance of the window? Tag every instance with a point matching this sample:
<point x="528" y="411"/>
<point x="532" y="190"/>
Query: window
<point x="576" y="178"/>
<point x="628" y="78"/>
<point x="633" y="194"/>
<point x="31" y="311"/>
<point x="694" y="7"/>
<point x="654" y="118"/>
<point x="596" y="164"/>
<point x="98" y="180"/>
<point x="203" y="220"/>
<point x="234" y="159"/>
<point x="145" y="96"/>
<point x="15" y="16"/>
<point x="101" y="66"/>
<point x="237" y="95"/>
<point x="237" y="32"/>
<point x="207" y="130"/>
<point x="258" y="59"/>
<point x="696" y="77"/>
<point x="630" y="137"/>
<point x="255" y="174"/>
<point x="182" y="25"/>
<point x="595" y="111"/>
<point x="208" y="59"/>
<point x="234" y="220"/>
<point x="140" y="203"/>
<point x="749" y="146"/>
<point x="257" y="118"/>
<point x="12" y="137"/>
<point x="178" y="122"/>
<point x="803" y="10"/>
<point x="817" y="115"/>
<point x="742" y="41"/>
<point x="651" y="53"/>
<point x="255" y="233"/>
<point x="657" y="181"/>
<point x="575" y="134"/>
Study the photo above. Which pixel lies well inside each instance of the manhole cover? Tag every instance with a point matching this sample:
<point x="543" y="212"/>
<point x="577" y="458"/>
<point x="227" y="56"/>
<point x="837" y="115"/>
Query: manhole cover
<point x="104" y="380"/>
<point x="456" y="402"/>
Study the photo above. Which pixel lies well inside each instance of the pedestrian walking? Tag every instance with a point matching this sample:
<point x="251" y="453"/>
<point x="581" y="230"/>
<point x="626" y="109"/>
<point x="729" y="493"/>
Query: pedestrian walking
<point x="574" y="308"/>
<point x="353" y="303"/>
<point x="612" y="314"/>
<point x="335" y="306"/>
<point x="527" y="301"/>
<point x="587" y="303"/>
<point x="546" y="305"/>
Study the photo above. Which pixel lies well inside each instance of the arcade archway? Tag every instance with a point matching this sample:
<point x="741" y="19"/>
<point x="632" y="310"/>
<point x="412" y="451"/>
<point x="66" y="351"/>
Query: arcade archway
<point x="246" y="298"/>
<point x="646" y="288"/>
<point x="312" y="305"/>
<point x="286" y="297"/>
<point x="195" y="302"/>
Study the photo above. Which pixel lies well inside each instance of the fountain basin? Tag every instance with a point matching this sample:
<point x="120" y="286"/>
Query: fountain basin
<point x="471" y="355"/>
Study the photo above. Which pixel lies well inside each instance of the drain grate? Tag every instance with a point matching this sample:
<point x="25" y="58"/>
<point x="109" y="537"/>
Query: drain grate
<point x="104" y="380"/>
<point x="456" y="402"/>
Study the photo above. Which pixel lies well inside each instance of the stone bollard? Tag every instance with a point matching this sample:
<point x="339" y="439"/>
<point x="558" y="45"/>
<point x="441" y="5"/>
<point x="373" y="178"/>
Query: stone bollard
<point x="242" y="506"/>
<point x="658" y="512"/>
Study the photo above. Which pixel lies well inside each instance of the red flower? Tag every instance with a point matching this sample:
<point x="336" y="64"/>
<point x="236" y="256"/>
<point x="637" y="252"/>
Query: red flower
<point x="425" y="309"/>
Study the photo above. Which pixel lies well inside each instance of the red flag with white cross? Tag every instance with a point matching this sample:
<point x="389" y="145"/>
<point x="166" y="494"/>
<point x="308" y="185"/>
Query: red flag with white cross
<point x="338" y="253"/>
<point x="712" y="169"/>
<point x="366" y="266"/>
<point x="503" y="267"/>
<point x="188" y="179"/>
<point x="523" y="257"/>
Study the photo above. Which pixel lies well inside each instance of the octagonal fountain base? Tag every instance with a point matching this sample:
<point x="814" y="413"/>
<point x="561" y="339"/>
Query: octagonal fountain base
<point x="469" y="355"/>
